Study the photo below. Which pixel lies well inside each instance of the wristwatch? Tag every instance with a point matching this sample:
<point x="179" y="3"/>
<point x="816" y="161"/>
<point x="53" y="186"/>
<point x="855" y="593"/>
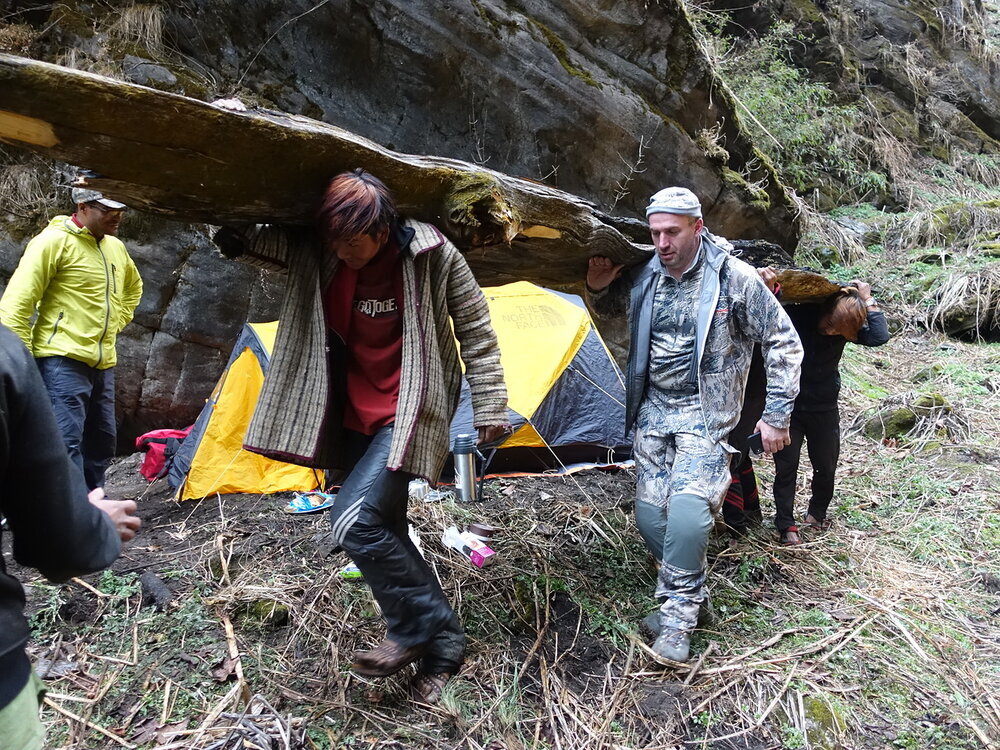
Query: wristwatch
<point x="871" y="302"/>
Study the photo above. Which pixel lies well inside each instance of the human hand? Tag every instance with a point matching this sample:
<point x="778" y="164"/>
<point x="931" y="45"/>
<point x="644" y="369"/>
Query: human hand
<point x="769" y="276"/>
<point x="601" y="272"/>
<point x="772" y="438"/>
<point x="120" y="512"/>
<point x="864" y="289"/>
<point x="493" y="433"/>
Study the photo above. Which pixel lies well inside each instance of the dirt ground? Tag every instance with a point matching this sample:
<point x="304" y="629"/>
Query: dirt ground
<point x="225" y="623"/>
<point x="233" y="591"/>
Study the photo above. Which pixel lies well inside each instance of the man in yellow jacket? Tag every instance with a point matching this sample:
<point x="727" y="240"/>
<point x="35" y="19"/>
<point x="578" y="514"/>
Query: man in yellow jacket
<point x="79" y="282"/>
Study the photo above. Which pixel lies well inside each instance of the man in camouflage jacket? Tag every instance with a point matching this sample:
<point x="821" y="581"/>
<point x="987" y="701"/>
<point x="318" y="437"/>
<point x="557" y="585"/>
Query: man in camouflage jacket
<point x="695" y="313"/>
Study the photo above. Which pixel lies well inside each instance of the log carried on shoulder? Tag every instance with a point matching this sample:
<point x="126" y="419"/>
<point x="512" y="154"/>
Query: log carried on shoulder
<point x="189" y="160"/>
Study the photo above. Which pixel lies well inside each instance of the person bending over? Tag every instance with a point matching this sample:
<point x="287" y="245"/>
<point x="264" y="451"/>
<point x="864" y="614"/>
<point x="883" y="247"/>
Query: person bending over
<point x="850" y="315"/>
<point x="365" y="378"/>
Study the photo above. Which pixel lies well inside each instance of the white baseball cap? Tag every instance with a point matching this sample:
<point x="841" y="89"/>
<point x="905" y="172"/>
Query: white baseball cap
<point x="85" y="195"/>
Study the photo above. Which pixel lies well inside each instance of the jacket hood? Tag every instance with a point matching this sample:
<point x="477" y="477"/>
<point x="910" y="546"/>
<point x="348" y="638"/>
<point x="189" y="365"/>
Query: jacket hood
<point x="417" y="237"/>
<point x="67" y="225"/>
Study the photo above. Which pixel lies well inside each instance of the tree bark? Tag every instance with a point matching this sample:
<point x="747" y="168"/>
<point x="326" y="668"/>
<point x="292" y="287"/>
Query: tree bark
<point x="189" y="160"/>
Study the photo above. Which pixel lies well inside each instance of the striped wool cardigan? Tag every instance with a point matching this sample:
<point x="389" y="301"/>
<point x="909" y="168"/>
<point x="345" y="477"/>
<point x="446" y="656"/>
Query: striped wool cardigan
<point x="298" y="416"/>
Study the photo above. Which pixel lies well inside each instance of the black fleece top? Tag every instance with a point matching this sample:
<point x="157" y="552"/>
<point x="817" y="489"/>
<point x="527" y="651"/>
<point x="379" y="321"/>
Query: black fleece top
<point x="819" y="384"/>
<point x="44" y="499"/>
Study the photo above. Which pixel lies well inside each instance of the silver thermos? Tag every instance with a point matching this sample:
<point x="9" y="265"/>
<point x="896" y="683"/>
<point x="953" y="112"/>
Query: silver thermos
<point x="464" y="453"/>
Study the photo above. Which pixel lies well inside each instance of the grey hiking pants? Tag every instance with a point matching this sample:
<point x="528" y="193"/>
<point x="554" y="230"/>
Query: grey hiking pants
<point x="681" y="479"/>
<point x="83" y="400"/>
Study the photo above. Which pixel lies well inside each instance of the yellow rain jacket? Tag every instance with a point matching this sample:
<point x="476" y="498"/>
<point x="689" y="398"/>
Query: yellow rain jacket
<point x="84" y="292"/>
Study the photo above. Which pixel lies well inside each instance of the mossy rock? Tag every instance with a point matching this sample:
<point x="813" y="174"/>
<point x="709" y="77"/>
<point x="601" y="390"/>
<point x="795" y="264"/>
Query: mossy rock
<point x="236" y="565"/>
<point x="936" y="258"/>
<point x="895" y="324"/>
<point x="757" y="195"/>
<point x="827" y="723"/>
<point x="894" y="423"/>
<point x="807" y="12"/>
<point x="558" y="48"/>
<point x="928" y="403"/>
<point x="963" y="322"/>
<point x="927" y="373"/>
<point x="265" y="612"/>
<point x="897" y="422"/>
<point x="72" y="21"/>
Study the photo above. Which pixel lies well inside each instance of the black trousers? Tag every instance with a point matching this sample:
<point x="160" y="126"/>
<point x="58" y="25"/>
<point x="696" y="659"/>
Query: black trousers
<point x="369" y="522"/>
<point x="741" y="504"/>
<point x="821" y="432"/>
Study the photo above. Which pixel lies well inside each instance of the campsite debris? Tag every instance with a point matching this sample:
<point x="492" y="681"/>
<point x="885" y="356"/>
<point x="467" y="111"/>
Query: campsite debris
<point x="468" y="545"/>
<point x="436" y="496"/>
<point x="351" y="572"/>
<point x="419" y="489"/>
<point x="482" y="531"/>
<point x="310" y="502"/>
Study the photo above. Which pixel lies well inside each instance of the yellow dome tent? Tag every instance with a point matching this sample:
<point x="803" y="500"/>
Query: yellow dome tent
<point x="211" y="459"/>
<point x="566" y="400"/>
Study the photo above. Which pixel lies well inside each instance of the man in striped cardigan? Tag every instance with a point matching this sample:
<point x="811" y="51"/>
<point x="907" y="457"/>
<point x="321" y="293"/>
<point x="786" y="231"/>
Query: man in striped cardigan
<point x="365" y="378"/>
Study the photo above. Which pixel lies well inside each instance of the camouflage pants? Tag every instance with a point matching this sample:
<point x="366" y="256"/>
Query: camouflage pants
<point x="676" y="464"/>
<point x="681" y="480"/>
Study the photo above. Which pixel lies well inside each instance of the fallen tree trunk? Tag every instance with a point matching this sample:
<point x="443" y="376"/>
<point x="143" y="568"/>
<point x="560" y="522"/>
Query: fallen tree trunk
<point x="193" y="161"/>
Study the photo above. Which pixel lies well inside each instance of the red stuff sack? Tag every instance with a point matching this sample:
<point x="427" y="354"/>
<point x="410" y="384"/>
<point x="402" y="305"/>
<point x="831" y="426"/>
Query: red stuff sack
<point x="159" y="447"/>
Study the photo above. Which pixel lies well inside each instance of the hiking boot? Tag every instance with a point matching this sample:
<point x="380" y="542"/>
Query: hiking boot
<point x="673" y="644"/>
<point x="651" y="623"/>
<point x="706" y="618"/>
<point x="386" y="659"/>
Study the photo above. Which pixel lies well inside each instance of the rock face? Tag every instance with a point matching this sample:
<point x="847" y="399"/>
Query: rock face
<point x="925" y="67"/>
<point x="191" y="311"/>
<point x="570" y="93"/>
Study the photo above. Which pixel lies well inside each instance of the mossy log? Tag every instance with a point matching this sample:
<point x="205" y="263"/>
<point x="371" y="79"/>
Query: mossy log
<point x="189" y="160"/>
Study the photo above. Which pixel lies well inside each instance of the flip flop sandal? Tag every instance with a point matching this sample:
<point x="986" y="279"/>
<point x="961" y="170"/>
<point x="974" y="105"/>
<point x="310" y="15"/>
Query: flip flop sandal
<point x="787" y="541"/>
<point x="823" y="525"/>
<point x="427" y="688"/>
